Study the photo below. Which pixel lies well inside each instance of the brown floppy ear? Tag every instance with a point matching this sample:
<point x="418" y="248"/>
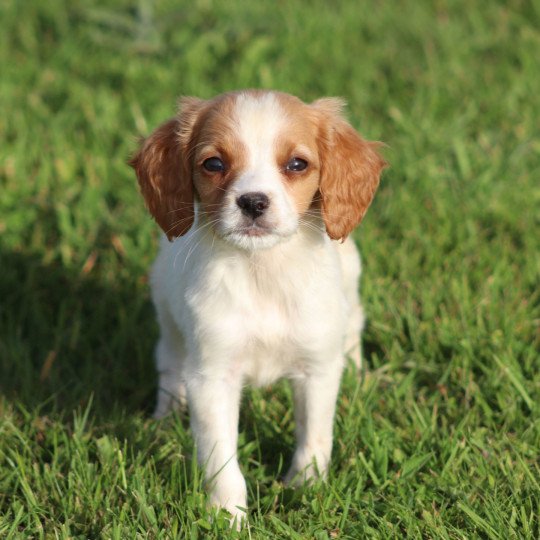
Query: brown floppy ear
<point x="350" y="170"/>
<point x="164" y="173"/>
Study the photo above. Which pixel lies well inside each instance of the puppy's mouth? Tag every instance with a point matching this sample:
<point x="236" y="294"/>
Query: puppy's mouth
<point x="254" y="230"/>
<point x="253" y="236"/>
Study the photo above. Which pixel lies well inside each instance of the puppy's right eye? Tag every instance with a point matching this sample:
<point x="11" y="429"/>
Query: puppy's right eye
<point x="214" y="164"/>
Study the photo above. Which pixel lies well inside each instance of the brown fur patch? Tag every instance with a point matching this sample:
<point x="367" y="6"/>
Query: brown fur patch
<point x="350" y="170"/>
<point x="164" y="171"/>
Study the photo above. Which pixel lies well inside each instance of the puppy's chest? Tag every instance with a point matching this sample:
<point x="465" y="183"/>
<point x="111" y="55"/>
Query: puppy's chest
<point x="268" y="337"/>
<point x="243" y="311"/>
<point x="262" y="323"/>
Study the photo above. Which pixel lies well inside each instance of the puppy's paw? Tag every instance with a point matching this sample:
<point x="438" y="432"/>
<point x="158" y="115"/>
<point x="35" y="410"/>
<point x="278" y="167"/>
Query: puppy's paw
<point x="228" y="491"/>
<point x="306" y="467"/>
<point x="299" y="477"/>
<point x="235" y="503"/>
<point x="171" y="398"/>
<point x="238" y="518"/>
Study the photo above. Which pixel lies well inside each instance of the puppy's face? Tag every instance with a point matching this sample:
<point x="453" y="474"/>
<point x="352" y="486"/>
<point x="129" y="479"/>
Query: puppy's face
<point x="257" y="162"/>
<point x="256" y="167"/>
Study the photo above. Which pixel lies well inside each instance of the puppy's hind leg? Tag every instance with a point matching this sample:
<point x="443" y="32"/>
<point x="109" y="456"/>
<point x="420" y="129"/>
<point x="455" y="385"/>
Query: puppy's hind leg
<point x="353" y="337"/>
<point x="170" y="355"/>
<point x="351" y="272"/>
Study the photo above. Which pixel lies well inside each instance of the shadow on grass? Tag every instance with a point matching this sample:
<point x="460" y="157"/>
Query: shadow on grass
<point x="66" y="338"/>
<point x="371" y="349"/>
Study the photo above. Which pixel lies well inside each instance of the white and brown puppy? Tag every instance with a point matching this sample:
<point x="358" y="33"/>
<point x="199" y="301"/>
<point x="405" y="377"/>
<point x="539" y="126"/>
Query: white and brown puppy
<point x="257" y="192"/>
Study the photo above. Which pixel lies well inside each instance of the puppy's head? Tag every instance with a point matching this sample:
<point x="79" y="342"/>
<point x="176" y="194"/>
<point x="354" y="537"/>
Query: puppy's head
<point x="257" y="161"/>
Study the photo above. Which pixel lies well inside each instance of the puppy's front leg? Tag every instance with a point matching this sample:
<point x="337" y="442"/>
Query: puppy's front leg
<point x="213" y="407"/>
<point x="314" y="405"/>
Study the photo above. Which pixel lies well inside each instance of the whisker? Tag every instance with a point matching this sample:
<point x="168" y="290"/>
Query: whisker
<point x="188" y="218"/>
<point x="190" y="205"/>
<point x="195" y="246"/>
<point x="316" y="213"/>
<point x="190" y="239"/>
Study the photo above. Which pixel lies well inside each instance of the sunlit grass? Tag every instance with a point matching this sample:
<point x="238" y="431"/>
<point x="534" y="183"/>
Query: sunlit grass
<point x="440" y="438"/>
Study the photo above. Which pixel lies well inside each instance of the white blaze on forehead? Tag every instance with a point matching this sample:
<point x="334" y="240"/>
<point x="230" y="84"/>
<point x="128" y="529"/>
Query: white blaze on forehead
<point x="260" y="120"/>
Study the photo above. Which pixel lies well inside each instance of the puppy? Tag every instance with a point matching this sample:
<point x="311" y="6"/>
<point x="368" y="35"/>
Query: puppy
<point x="256" y="192"/>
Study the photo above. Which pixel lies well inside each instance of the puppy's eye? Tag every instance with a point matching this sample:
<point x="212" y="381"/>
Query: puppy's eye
<point x="296" y="164"/>
<point x="214" y="164"/>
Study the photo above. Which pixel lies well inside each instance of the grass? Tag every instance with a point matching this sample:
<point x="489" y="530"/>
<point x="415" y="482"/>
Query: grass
<point x="441" y="437"/>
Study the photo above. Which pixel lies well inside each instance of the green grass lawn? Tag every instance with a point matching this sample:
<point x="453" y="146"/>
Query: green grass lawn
<point x="441" y="436"/>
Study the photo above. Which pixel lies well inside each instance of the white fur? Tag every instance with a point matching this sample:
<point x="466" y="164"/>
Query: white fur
<point x="236" y="309"/>
<point x="260" y="121"/>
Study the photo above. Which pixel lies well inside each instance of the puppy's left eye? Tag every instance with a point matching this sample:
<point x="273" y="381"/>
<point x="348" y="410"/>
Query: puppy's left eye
<point x="296" y="164"/>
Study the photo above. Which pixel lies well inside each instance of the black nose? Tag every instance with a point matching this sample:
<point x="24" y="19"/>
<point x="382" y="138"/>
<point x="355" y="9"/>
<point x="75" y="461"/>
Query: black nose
<point x="253" y="204"/>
